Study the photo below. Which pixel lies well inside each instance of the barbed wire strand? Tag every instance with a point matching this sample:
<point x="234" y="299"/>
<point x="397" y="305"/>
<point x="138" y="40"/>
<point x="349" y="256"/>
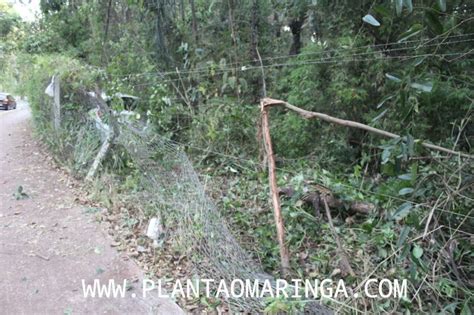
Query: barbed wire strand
<point x="424" y="43"/>
<point x="316" y="61"/>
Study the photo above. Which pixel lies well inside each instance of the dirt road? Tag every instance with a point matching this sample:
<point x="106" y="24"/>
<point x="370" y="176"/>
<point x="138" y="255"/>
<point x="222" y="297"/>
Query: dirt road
<point x="48" y="242"/>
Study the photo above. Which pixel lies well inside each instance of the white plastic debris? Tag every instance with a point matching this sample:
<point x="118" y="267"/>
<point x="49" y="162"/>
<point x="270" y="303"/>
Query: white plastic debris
<point x="50" y="89"/>
<point x="154" y="230"/>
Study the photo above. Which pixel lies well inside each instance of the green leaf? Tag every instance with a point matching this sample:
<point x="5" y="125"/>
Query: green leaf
<point x="222" y="64"/>
<point x="419" y="61"/>
<point x="431" y="18"/>
<point x="412" y="31"/>
<point x="381" y="10"/>
<point x="398" y="6"/>
<point x="466" y="310"/>
<point x="382" y="252"/>
<point x="386" y="155"/>
<point x="379" y="115"/>
<point x="293" y="214"/>
<point x="407" y="176"/>
<point x="442" y="5"/>
<point x="409" y="5"/>
<point x="410" y="143"/>
<point x="414" y="171"/>
<point x="417" y="251"/>
<point x="392" y="77"/>
<point x="405" y="191"/>
<point x="424" y="87"/>
<point x="403" y="236"/>
<point x="243" y="84"/>
<point x="371" y="20"/>
<point x="402" y="211"/>
<point x="384" y="100"/>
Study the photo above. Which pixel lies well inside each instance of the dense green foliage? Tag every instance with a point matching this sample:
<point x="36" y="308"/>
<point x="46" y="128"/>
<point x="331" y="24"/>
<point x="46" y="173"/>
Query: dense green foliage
<point x="10" y="32"/>
<point x="378" y="75"/>
<point x="195" y="66"/>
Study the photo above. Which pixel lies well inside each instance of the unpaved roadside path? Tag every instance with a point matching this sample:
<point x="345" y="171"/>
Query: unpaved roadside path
<point x="48" y="243"/>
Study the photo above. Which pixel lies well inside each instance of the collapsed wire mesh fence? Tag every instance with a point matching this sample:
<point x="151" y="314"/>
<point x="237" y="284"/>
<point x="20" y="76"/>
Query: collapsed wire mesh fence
<point x="192" y="220"/>
<point x="191" y="217"/>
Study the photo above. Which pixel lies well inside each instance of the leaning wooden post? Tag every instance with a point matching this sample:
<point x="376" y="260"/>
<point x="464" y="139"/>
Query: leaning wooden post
<point x="267" y="140"/>
<point x="112" y="133"/>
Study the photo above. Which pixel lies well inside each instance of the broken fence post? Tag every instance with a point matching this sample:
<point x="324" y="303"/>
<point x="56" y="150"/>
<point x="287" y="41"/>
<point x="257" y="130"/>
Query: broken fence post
<point x="112" y="133"/>
<point x="284" y="255"/>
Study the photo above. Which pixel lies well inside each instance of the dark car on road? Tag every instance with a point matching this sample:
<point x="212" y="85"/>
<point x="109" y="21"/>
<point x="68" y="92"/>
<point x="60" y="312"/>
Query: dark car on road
<point x="7" y="101"/>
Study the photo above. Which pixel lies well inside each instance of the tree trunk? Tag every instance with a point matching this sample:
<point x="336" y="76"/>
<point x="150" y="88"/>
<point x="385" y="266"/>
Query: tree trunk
<point x="106" y="32"/>
<point x="296" y="26"/>
<point x="254" y="32"/>
<point x="231" y="23"/>
<point x="277" y="23"/>
<point x="161" y="48"/>
<point x="181" y="7"/>
<point x="234" y="44"/>
<point x="194" y="21"/>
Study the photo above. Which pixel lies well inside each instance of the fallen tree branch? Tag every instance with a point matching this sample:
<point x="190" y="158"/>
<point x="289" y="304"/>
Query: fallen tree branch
<point x="314" y="200"/>
<point x="430" y="216"/>
<point x="345" y="266"/>
<point x="349" y="123"/>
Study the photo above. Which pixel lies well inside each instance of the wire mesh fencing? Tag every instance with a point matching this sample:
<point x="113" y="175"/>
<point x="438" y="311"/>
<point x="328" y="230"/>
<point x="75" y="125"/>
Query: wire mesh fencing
<point x="170" y="183"/>
<point x="191" y="217"/>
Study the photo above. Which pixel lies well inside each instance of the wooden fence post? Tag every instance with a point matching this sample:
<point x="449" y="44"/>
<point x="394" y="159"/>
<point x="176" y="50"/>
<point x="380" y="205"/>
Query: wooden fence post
<point x="57" y="103"/>
<point x="284" y="256"/>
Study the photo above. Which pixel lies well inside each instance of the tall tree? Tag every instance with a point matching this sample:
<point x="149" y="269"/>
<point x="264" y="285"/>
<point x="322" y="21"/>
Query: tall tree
<point x="194" y="21"/>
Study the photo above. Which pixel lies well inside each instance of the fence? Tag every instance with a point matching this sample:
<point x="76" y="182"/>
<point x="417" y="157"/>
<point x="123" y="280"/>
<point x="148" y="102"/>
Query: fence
<point x="168" y="182"/>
